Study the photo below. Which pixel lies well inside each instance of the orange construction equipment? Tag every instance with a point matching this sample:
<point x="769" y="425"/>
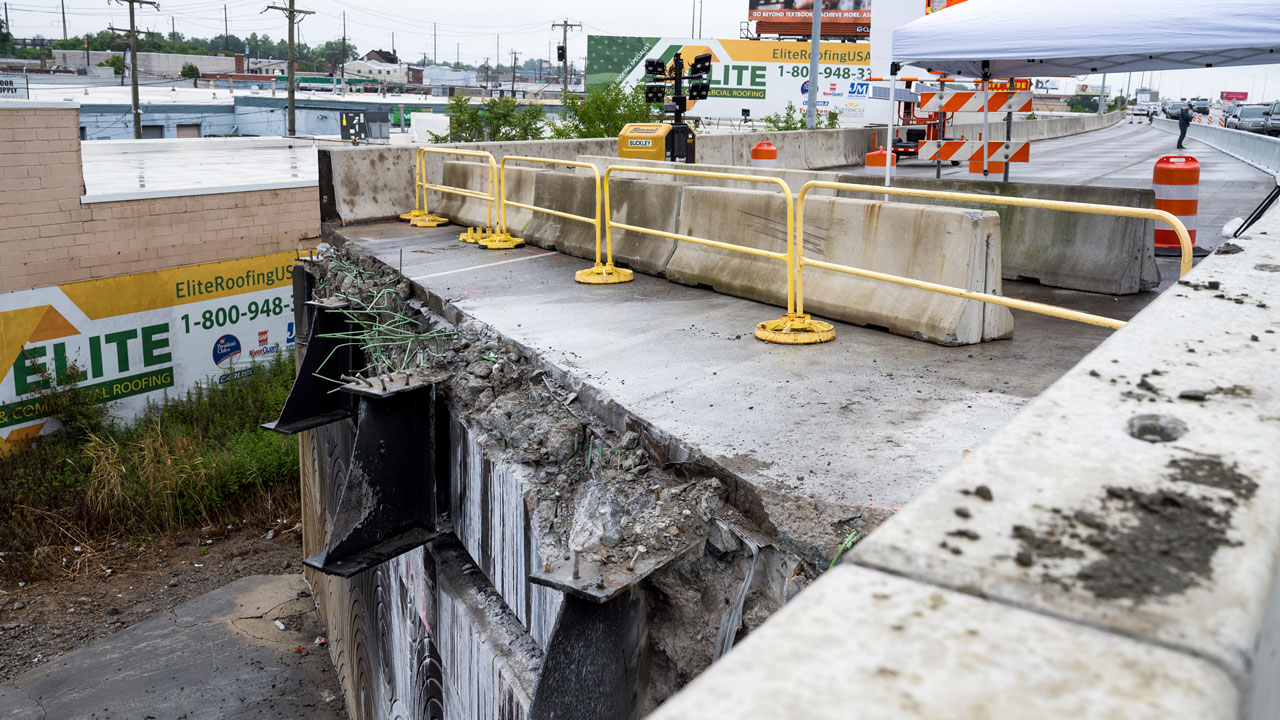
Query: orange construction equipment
<point x="1176" y="181"/>
<point x="764" y="154"/>
<point x="876" y="158"/>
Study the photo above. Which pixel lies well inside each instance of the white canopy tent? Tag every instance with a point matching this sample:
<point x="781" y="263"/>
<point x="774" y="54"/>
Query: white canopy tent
<point x="1042" y="38"/>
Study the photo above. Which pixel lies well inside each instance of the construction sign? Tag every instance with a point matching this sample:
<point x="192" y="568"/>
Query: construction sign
<point x="132" y="339"/>
<point x="758" y="76"/>
<point x="972" y="101"/>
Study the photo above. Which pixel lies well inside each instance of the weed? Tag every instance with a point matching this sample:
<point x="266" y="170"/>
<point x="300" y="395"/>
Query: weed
<point x="195" y="460"/>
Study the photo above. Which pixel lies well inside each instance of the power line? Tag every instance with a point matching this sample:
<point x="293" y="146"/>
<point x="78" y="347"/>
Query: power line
<point x="294" y="16"/>
<point x="133" y="68"/>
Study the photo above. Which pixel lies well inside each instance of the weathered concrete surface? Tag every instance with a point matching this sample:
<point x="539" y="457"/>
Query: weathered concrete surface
<point x="865" y="644"/>
<point x="684" y="359"/>
<point x="1094" y="253"/>
<point x="942" y="245"/>
<point x="220" y="655"/>
<point x="950" y="247"/>
<point x="373" y="182"/>
<point x="1172" y="541"/>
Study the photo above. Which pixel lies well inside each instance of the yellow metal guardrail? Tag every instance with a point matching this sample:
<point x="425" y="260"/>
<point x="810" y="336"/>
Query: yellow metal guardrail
<point x="420" y="216"/>
<point x="1044" y="309"/>
<point x="602" y="273"/>
<point x="794" y="327"/>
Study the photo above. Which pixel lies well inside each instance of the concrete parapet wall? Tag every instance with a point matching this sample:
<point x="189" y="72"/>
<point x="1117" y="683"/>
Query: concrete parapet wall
<point x="1039" y="129"/>
<point x="1259" y="150"/>
<point x="1111" y="552"/>
<point x="1094" y="253"/>
<point x="952" y="247"/>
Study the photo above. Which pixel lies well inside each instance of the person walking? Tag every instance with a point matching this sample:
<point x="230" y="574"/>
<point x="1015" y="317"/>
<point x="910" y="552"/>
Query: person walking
<point x="1184" y="122"/>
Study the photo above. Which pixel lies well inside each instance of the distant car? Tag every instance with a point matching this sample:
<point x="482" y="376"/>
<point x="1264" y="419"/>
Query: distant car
<point x="1271" y="122"/>
<point x="1250" y="118"/>
<point x="1171" y="109"/>
<point x="1201" y="106"/>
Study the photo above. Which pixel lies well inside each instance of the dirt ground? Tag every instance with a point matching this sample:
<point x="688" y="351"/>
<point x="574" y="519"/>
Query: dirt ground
<point x="110" y="590"/>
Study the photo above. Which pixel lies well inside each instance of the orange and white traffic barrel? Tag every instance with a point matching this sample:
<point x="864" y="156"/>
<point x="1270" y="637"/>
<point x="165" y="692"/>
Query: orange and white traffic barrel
<point x="878" y="158"/>
<point x="1177" y="184"/>
<point x="764" y="155"/>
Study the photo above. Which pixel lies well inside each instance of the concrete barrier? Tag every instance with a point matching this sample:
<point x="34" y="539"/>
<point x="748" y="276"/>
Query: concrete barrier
<point x="953" y="247"/>
<point x="1040" y="128"/>
<point x="795" y="179"/>
<point x="471" y="212"/>
<point x="1094" y="253"/>
<point x="376" y="183"/>
<point x="960" y="248"/>
<point x="642" y="203"/>
<point x="1257" y="149"/>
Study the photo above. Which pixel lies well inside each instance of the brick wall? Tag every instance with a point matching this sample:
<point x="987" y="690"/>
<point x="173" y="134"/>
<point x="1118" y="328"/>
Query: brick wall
<point x="48" y="237"/>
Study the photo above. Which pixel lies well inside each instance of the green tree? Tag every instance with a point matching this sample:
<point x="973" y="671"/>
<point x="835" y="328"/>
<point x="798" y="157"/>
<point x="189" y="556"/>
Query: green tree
<point x="497" y="119"/>
<point x="792" y="119"/>
<point x="189" y="71"/>
<point x="603" y="112"/>
<point x="115" y="61"/>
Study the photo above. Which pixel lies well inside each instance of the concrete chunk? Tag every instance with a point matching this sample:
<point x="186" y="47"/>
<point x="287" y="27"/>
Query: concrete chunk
<point x="864" y="644"/>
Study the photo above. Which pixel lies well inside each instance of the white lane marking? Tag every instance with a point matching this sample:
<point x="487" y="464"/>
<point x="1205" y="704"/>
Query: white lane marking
<point x="477" y="267"/>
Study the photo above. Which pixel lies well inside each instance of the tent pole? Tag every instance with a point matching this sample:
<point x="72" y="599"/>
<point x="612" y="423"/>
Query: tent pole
<point x="986" y="102"/>
<point x="893" y="111"/>
<point x="1008" y="126"/>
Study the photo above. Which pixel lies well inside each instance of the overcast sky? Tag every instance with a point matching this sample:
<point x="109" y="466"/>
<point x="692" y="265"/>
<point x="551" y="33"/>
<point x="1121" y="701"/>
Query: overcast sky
<point x="475" y="30"/>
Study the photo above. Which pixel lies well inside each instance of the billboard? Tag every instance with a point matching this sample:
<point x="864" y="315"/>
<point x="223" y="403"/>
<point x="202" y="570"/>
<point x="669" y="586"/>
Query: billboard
<point x="137" y="337"/>
<point x="759" y="76"/>
<point x="1233" y="95"/>
<point x="839" y="17"/>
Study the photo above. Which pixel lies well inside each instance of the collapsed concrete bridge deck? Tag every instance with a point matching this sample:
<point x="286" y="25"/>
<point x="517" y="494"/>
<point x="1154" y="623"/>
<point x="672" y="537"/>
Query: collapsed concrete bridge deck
<point x="704" y="478"/>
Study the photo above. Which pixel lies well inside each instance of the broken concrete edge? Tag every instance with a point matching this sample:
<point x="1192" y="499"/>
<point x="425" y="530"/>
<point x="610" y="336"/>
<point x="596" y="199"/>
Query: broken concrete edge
<point x="754" y="497"/>
<point x="862" y="638"/>
<point x="1171" y="542"/>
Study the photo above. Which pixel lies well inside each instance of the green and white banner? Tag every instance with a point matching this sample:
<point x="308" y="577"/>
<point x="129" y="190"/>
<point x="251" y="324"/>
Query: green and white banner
<point x="755" y="75"/>
<point x="133" y="338"/>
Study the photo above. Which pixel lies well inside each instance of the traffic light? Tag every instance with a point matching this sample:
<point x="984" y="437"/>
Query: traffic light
<point x="701" y="65"/>
<point x="560" y="53"/>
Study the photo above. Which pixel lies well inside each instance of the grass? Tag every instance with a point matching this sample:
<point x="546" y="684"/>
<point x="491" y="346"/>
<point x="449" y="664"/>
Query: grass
<point x="196" y="460"/>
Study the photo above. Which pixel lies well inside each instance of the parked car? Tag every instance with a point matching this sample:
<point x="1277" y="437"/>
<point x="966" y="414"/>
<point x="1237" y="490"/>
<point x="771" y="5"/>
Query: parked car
<point x="1250" y="118"/>
<point x="1271" y="121"/>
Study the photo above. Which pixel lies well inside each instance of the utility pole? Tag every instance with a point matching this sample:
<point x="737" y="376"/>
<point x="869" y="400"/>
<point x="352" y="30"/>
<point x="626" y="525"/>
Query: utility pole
<point x="64" y="19"/>
<point x="173" y="29"/>
<point x="514" y="60"/>
<point x="294" y="16"/>
<point x="393" y="43"/>
<point x="435" y="43"/>
<point x="226" y="28"/>
<point x="133" y="66"/>
<point x="815" y="51"/>
<point x="564" y="64"/>
<point x="343" y="72"/>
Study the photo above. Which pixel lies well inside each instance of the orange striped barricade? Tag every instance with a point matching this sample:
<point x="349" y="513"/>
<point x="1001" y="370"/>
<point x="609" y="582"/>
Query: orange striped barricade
<point x="971" y="101"/>
<point x="794" y="327"/>
<point x="1176" y="180"/>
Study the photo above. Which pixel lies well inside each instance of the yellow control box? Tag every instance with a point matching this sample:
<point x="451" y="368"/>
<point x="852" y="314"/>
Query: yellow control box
<point x="647" y="141"/>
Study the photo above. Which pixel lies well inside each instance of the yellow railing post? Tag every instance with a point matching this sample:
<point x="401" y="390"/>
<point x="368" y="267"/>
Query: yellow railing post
<point x="420" y="216"/>
<point x="601" y="273"/>
<point x="793" y="328"/>
<point x="1035" y="307"/>
<point x="471" y="235"/>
